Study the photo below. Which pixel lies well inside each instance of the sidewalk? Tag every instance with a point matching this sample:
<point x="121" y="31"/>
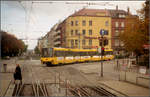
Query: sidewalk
<point x="6" y="77"/>
<point x="127" y="88"/>
<point x="5" y="81"/>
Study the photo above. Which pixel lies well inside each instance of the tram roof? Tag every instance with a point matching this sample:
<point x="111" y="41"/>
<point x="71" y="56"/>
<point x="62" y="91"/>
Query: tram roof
<point x="77" y="50"/>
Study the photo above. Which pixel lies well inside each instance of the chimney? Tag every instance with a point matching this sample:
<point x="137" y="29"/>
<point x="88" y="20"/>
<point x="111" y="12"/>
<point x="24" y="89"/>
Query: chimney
<point x="128" y="10"/>
<point x="117" y="7"/>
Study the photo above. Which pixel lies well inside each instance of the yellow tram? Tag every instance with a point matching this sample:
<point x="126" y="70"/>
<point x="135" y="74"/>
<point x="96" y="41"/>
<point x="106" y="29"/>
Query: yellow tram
<point x="52" y="56"/>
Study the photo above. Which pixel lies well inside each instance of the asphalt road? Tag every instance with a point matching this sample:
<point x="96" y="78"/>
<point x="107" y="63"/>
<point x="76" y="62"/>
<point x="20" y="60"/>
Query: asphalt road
<point x="74" y="72"/>
<point x="80" y="74"/>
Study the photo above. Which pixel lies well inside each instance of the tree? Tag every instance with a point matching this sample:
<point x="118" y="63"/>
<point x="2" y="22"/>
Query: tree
<point x="137" y="31"/>
<point x="10" y="45"/>
<point x="36" y="50"/>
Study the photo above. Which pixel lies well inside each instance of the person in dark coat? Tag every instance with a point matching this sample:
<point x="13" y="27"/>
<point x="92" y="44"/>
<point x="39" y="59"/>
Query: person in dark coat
<point x="17" y="74"/>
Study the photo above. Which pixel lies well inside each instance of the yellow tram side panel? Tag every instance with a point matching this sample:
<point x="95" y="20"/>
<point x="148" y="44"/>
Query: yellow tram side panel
<point x="95" y="58"/>
<point x="69" y="60"/>
<point x="46" y="59"/>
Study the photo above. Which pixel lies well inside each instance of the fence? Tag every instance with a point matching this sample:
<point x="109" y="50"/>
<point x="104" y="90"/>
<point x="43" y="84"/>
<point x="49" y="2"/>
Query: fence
<point x="130" y="72"/>
<point x="135" y="78"/>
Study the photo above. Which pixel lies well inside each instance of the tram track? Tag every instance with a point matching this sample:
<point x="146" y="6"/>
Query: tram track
<point x="60" y="82"/>
<point x="38" y="87"/>
<point x="81" y="90"/>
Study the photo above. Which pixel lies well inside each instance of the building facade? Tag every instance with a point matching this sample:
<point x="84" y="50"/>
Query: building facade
<point x="118" y="26"/>
<point x="82" y="29"/>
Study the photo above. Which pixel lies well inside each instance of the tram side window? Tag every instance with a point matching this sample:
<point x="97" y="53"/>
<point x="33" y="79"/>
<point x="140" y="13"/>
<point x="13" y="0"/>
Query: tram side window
<point x="69" y="53"/>
<point x="77" y="53"/>
<point x="59" y="53"/>
<point x="74" y="53"/>
<point x="86" y="54"/>
<point x="96" y="53"/>
<point x="91" y="53"/>
<point x="66" y="53"/>
<point x="82" y="53"/>
<point x="108" y="52"/>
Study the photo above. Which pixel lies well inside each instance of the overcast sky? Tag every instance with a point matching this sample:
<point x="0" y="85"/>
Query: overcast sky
<point x="31" y="20"/>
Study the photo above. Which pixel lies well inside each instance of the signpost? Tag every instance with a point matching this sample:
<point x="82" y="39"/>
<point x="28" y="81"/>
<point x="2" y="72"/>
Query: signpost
<point x="99" y="50"/>
<point x="102" y="33"/>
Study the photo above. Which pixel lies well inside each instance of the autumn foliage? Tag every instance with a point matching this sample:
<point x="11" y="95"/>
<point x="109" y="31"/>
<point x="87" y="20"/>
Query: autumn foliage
<point x="10" y="45"/>
<point x="136" y="34"/>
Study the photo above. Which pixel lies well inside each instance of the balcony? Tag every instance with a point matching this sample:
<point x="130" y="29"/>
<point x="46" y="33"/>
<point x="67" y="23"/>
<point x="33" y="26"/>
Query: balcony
<point x="57" y="43"/>
<point x="57" y="32"/>
<point x="57" y="37"/>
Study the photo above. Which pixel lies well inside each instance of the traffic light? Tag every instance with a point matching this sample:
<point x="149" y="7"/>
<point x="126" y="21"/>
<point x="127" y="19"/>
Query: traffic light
<point x="103" y="50"/>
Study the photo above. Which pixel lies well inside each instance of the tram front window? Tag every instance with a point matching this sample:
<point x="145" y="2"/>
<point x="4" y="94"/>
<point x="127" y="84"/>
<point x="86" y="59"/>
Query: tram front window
<point x="47" y="52"/>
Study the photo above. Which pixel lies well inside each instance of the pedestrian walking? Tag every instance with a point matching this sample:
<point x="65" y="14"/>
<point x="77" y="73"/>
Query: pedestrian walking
<point x="5" y="67"/>
<point x="17" y="74"/>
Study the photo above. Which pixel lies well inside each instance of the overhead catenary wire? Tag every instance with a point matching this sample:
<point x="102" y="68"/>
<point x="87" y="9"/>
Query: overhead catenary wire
<point x="28" y="16"/>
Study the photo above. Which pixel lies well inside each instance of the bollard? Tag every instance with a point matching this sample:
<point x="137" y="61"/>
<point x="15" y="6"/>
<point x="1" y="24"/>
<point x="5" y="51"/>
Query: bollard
<point x="59" y="84"/>
<point x="55" y="81"/>
<point x="5" y="67"/>
<point x="66" y="87"/>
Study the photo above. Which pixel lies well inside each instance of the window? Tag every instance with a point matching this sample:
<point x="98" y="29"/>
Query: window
<point x="116" y="33"/>
<point x="106" y="23"/>
<point x="76" y="32"/>
<point x="122" y="31"/>
<point x="83" y="32"/>
<point x="106" y="32"/>
<point x="90" y="42"/>
<point x="116" y="42"/>
<point x="71" y="23"/>
<point x="105" y="42"/>
<point x="121" y="43"/>
<point x="116" y="24"/>
<point x="122" y="24"/>
<point x="83" y="23"/>
<point x="76" y="23"/>
<point x="90" y="23"/>
<point x="72" y="43"/>
<point x="83" y="42"/>
<point x="71" y="32"/>
<point x="90" y="32"/>
<point x="76" y="42"/>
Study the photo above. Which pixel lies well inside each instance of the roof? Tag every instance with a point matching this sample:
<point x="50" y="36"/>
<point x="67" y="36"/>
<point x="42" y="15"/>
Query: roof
<point x="91" y="12"/>
<point x="98" y="12"/>
<point x="114" y="13"/>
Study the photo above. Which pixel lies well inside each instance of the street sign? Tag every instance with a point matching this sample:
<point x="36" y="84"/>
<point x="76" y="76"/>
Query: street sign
<point x="103" y="32"/>
<point x="142" y="69"/>
<point x="99" y="50"/>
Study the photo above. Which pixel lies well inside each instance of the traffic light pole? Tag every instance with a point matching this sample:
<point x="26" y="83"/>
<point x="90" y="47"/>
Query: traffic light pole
<point x="102" y="59"/>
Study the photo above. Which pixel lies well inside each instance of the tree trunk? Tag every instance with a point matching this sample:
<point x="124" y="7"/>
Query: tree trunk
<point x="137" y="60"/>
